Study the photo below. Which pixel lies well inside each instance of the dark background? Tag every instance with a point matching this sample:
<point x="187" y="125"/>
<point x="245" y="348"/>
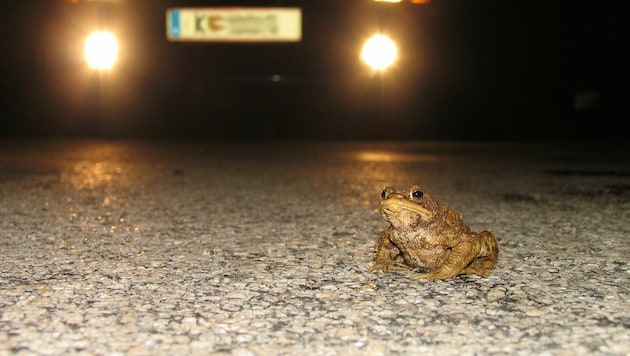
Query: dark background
<point x="469" y="69"/>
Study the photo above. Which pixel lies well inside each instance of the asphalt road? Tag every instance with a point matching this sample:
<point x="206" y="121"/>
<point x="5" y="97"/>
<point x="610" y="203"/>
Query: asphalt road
<point x="125" y="247"/>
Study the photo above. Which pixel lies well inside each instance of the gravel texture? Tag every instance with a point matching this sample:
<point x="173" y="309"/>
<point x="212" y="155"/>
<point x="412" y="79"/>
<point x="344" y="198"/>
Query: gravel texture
<point x="133" y="247"/>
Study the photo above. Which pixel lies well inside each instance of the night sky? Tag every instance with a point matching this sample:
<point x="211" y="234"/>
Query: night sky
<point x="469" y="69"/>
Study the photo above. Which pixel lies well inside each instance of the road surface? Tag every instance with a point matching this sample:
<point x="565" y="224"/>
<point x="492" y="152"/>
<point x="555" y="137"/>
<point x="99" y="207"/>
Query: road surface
<point x="140" y="247"/>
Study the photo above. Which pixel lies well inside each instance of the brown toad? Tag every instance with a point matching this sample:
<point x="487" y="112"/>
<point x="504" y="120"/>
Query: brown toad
<point x="427" y="235"/>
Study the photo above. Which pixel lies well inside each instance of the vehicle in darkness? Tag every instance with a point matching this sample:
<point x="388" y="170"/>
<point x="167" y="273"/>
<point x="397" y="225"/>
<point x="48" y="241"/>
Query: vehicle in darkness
<point x="225" y="69"/>
<point x="463" y="69"/>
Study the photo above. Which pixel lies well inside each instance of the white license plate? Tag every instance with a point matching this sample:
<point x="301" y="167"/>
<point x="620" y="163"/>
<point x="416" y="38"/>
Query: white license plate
<point x="234" y="24"/>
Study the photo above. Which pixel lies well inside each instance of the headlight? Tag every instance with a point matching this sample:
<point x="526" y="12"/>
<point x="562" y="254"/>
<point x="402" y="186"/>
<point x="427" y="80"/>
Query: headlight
<point x="379" y="52"/>
<point x="101" y="50"/>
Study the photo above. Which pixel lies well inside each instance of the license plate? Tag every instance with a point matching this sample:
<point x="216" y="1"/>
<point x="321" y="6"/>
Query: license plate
<point x="237" y="24"/>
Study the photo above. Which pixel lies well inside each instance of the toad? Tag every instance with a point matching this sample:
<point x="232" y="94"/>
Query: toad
<point x="424" y="234"/>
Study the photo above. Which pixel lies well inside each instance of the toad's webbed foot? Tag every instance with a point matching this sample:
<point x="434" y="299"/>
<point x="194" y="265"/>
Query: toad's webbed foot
<point x="388" y="267"/>
<point x="433" y="276"/>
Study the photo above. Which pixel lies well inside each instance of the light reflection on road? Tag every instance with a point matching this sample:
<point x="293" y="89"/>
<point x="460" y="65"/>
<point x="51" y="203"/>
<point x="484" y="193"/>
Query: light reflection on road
<point x="391" y="156"/>
<point x="89" y="175"/>
<point x="97" y="165"/>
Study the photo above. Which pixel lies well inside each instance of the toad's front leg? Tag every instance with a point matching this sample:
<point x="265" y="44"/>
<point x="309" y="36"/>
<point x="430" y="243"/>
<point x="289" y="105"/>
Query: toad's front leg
<point x="388" y="255"/>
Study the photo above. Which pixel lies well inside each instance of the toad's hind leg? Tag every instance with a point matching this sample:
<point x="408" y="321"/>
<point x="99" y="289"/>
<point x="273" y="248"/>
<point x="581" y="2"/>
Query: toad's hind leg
<point x="487" y="258"/>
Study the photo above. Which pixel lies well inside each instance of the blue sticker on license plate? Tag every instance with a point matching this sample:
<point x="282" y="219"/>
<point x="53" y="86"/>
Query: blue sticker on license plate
<point x="174" y="25"/>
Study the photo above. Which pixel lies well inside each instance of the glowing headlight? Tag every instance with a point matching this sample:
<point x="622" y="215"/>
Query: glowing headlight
<point x="379" y="52"/>
<point x="101" y="50"/>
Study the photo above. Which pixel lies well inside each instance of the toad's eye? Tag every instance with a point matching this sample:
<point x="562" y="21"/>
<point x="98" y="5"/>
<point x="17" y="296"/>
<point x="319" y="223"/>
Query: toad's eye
<point x="417" y="194"/>
<point x="384" y="194"/>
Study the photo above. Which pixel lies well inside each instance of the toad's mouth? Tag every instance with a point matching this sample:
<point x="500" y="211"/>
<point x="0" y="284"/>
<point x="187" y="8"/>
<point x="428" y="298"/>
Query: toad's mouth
<point x="394" y="206"/>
